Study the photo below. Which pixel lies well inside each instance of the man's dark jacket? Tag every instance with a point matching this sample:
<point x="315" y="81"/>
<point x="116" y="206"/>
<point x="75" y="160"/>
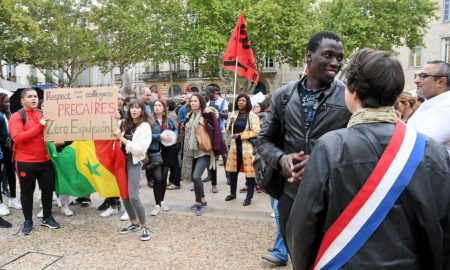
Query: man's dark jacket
<point x="416" y="232"/>
<point x="331" y="114"/>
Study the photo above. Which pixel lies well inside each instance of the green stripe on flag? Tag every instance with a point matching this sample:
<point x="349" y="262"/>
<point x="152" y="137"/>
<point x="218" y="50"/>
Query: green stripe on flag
<point x="69" y="181"/>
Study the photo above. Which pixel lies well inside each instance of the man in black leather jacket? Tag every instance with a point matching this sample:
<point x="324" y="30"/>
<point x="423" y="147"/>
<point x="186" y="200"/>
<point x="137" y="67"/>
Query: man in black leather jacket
<point x="315" y="107"/>
<point x="415" y="233"/>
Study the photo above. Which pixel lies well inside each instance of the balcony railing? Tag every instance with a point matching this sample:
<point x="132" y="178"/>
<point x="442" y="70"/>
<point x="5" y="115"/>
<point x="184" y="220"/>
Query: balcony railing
<point x="165" y="75"/>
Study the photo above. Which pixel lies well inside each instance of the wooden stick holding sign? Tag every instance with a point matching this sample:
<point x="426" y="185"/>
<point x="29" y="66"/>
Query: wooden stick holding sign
<point x="77" y="114"/>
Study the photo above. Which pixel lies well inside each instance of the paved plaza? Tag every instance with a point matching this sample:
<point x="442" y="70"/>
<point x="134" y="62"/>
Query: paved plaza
<point x="227" y="236"/>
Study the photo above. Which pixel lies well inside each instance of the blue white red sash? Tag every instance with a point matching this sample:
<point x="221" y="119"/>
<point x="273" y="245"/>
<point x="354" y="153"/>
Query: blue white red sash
<point x="373" y="202"/>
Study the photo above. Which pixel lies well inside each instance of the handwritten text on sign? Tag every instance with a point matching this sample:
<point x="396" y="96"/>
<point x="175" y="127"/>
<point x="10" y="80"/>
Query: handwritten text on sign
<point x="80" y="113"/>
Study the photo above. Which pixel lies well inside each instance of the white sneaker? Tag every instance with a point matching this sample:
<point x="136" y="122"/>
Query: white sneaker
<point x="272" y="215"/>
<point x="125" y="216"/>
<point x="155" y="210"/>
<point x="15" y="203"/>
<point x="65" y="210"/>
<point x="164" y="207"/>
<point x="110" y="211"/>
<point x="40" y="214"/>
<point x="58" y="202"/>
<point x="4" y="211"/>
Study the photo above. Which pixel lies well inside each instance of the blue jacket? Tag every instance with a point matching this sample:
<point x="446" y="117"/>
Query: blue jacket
<point x="182" y="112"/>
<point x="156" y="133"/>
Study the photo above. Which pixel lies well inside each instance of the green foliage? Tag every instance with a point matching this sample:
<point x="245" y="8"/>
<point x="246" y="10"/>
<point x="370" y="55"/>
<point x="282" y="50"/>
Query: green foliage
<point x="67" y="41"/>
<point x="73" y="35"/>
<point x="121" y="33"/>
<point x="378" y="24"/>
<point x="17" y="32"/>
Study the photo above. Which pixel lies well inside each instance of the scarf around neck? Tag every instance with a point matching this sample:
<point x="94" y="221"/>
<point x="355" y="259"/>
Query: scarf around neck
<point x="373" y="115"/>
<point x="190" y="145"/>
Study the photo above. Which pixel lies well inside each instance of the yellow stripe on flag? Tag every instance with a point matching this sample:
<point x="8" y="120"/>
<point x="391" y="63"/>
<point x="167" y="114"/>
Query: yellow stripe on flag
<point x="103" y="181"/>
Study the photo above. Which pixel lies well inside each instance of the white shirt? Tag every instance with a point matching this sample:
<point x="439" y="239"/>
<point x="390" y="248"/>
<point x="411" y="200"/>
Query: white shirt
<point x="433" y="119"/>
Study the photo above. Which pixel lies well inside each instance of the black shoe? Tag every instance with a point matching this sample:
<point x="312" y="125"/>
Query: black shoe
<point x="27" y="227"/>
<point x="272" y="259"/>
<point x="85" y="202"/>
<point x="230" y="197"/>
<point x="247" y="202"/>
<point x="50" y="222"/>
<point x="4" y="223"/>
<point x="77" y="201"/>
<point x="207" y="179"/>
<point x="105" y="205"/>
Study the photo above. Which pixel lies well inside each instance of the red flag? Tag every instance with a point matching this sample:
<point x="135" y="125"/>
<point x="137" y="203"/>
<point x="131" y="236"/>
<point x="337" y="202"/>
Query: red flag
<point x="187" y="89"/>
<point x="158" y="93"/>
<point x="239" y="47"/>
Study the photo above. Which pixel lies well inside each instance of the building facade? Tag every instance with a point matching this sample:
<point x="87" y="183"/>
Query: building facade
<point x="436" y="46"/>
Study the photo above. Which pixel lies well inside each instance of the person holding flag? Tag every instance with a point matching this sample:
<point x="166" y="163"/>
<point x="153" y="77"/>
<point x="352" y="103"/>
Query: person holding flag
<point x="374" y="195"/>
<point x="134" y="136"/>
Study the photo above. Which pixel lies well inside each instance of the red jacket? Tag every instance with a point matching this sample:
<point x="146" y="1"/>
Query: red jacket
<point x="29" y="145"/>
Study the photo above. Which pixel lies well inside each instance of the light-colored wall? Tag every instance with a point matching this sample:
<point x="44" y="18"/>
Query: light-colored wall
<point x="432" y="50"/>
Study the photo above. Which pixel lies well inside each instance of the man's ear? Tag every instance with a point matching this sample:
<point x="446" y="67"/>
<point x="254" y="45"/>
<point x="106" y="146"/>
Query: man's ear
<point x="308" y="56"/>
<point x="442" y="81"/>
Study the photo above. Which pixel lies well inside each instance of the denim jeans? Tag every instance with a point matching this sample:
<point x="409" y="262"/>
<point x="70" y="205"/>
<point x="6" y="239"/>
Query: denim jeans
<point x="279" y="249"/>
<point x="199" y="166"/>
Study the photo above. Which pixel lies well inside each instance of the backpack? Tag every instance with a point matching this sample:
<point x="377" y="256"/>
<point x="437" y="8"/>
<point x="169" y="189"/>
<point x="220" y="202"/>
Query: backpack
<point x="270" y="180"/>
<point x="23" y="115"/>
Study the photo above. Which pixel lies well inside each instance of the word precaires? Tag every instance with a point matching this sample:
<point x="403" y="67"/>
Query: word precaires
<point x="88" y="107"/>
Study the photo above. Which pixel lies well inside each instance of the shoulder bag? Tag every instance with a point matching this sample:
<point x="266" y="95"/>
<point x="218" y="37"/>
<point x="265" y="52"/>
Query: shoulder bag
<point x="203" y="140"/>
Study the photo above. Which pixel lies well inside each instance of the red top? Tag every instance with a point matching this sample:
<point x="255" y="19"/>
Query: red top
<point x="29" y="145"/>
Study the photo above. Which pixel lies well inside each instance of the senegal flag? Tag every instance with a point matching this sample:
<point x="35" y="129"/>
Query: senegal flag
<point x="85" y="167"/>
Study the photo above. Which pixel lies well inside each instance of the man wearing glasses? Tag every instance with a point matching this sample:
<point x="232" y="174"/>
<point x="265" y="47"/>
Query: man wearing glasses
<point x="433" y="116"/>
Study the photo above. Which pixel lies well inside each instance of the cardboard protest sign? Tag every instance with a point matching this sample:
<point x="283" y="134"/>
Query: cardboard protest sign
<point x="77" y="114"/>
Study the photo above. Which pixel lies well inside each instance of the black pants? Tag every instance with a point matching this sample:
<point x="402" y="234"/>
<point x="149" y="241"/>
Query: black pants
<point x="10" y="170"/>
<point x="284" y="209"/>
<point x="28" y="173"/>
<point x="212" y="174"/>
<point x="250" y="181"/>
<point x="1" y="198"/>
<point x="159" y="174"/>
<point x="175" y="168"/>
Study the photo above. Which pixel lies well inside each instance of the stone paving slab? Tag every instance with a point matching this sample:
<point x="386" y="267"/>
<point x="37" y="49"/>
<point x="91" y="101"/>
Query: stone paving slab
<point x="227" y="236"/>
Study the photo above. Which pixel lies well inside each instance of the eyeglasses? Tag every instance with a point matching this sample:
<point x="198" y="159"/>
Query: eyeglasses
<point x="422" y="76"/>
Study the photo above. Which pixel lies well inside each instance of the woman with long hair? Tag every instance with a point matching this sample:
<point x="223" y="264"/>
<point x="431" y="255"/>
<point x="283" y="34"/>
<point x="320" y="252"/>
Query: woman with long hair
<point x="134" y="136"/>
<point x="161" y="123"/>
<point x="405" y="106"/>
<point x="7" y="155"/>
<point x="195" y="160"/>
<point x="243" y="125"/>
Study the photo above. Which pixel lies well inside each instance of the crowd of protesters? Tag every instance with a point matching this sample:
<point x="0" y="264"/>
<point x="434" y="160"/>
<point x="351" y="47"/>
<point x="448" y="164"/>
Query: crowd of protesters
<point x="155" y="136"/>
<point x="364" y="167"/>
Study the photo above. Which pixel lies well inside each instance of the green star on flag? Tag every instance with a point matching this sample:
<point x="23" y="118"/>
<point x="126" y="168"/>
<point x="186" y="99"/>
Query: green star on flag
<point x="93" y="168"/>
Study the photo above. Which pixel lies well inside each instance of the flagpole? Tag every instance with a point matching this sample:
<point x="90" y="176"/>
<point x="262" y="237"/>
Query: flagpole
<point x="235" y="80"/>
<point x="237" y="60"/>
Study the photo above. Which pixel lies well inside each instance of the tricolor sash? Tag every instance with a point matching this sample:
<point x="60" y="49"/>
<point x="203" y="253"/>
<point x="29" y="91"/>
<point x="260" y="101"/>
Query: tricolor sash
<point x="374" y="200"/>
